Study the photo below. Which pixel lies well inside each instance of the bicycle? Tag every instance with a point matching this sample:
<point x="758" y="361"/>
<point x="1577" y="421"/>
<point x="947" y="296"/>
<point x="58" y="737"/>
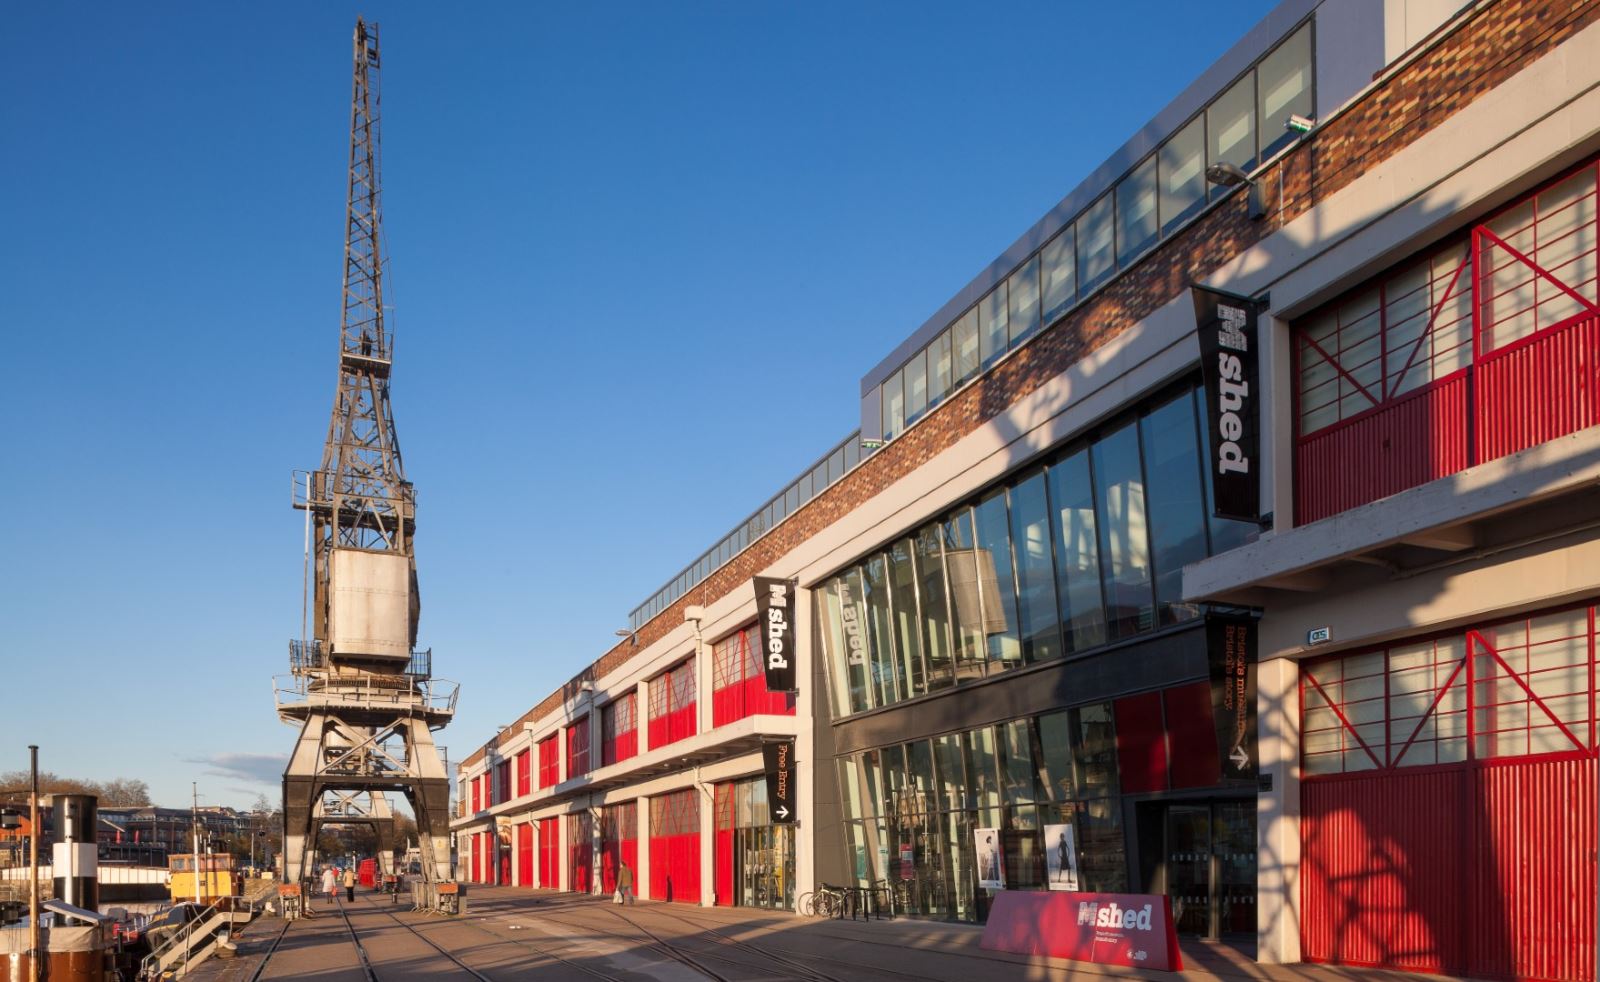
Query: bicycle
<point x="826" y="901"/>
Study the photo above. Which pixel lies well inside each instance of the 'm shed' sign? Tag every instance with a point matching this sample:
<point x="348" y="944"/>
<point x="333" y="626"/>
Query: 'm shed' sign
<point x="775" y="612"/>
<point x="1229" y="366"/>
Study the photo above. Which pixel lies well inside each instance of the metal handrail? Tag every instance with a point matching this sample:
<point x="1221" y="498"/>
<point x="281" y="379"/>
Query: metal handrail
<point x="434" y="695"/>
<point x="310" y="655"/>
<point x="150" y="966"/>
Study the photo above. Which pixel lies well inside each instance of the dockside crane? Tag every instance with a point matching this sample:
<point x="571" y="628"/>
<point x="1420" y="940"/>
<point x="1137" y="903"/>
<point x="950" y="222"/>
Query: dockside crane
<point x="363" y="696"/>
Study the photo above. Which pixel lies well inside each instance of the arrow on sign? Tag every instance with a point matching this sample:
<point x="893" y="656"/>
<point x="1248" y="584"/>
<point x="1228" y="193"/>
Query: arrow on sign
<point x="783" y="811"/>
<point x="1239" y="757"/>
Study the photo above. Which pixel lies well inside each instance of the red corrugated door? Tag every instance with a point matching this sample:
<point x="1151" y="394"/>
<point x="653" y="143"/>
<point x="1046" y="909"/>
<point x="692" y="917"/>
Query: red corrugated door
<point x="1533" y="880"/>
<point x="1382" y="868"/>
<point x="525" y="854"/>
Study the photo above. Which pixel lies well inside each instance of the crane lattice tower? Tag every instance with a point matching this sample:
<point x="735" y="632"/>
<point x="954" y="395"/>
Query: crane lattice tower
<point x="364" y="698"/>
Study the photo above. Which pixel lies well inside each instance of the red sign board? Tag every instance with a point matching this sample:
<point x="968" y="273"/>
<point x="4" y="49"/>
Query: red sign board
<point x="1128" y="929"/>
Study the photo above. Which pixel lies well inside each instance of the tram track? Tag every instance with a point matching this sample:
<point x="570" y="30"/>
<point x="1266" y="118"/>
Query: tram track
<point x="469" y="921"/>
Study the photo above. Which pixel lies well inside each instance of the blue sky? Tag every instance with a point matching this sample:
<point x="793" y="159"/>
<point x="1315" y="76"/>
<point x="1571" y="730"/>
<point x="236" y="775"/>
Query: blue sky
<point x="626" y="241"/>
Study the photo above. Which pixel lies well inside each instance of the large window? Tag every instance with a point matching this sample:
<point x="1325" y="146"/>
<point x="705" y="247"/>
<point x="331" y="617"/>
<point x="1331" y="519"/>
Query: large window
<point x="1516" y="688"/>
<point x="1059" y="560"/>
<point x="619" y="728"/>
<point x="910" y="809"/>
<point x="524" y="773"/>
<point x="1244" y="125"/>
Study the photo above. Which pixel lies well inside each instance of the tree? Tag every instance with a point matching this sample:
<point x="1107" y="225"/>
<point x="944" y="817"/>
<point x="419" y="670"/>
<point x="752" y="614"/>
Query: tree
<point x="119" y="792"/>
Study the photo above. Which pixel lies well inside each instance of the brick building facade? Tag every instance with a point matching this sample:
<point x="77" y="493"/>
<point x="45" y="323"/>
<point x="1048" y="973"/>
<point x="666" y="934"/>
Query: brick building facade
<point x="1008" y="614"/>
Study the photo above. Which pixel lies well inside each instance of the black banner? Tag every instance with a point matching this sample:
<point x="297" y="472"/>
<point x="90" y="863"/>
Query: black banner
<point x="775" y="612"/>
<point x="1231" y="652"/>
<point x="1230" y="368"/>
<point x="779" y="761"/>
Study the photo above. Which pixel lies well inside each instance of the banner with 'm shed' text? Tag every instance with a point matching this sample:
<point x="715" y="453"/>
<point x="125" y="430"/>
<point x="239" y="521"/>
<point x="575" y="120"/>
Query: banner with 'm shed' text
<point x="775" y="614"/>
<point x="1230" y="369"/>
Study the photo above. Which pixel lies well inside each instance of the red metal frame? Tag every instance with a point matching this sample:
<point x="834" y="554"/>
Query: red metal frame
<point x="525" y="773"/>
<point x="619" y="729"/>
<point x="502" y="782"/>
<point x="672" y="704"/>
<point x="619" y="843"/>
<point x="549" y="763"/>
<point x="578" y="747"/>
<point x="525" y="854"/>
<point x="675" y="846"/>
<point x="1407" y="438"/>
<point x="580" y="851"/>
<point x="739" y="683"/>
<point x="1476" y="645"/>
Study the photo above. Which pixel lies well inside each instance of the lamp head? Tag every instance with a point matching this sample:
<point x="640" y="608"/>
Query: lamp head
<point x="1226" y="174"/>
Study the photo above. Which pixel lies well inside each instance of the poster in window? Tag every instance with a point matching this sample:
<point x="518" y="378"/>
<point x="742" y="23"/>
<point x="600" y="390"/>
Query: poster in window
<point x="1061" y="857"/>
<point x="991" y="864"/>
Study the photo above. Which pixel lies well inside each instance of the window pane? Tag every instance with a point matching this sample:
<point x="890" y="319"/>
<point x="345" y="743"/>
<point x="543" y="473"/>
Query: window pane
<point x="1284" y="87"/>
<point x="1002" y="646"/>
<point x="964" y="338"/>
<point x="894" y="411"/>
<point x="983" y="785"/>
<point x="992" y="336"/>
<point x="916" y="385"/>
<point x="1036" y="584"/>
<point x="907" y="630"/>
<point x="880" y="639"/>
<point x="939" y="368"/>
<point x="952" y="780"/>
<point x="1018" y="769"/>
<point x="1183" y="177"/>
<point x="1177" y="508"/>
<point x="1059" y="272"/>
<point x="1136" y="212"/>
<point x="854" y="628"/>
<point x="1023" y="287"/>
<point x="1083" y="616"/>
<point x="1055" y="748"/>
<point x="1230" y="123"/>
<point x="935" y="612"/>
<point x="1096" y="235"/>
<point x="1094" y="749"/>
<point x="1124" y="535"/>
<point x="961" y="571"/>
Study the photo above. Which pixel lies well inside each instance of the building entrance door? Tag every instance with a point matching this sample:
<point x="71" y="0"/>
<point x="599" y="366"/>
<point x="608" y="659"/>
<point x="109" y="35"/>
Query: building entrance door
<point x="1211" y="867"/>
<point x="765" y="866"/>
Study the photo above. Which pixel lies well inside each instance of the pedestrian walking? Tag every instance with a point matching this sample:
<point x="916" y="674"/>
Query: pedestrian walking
<point x="330" y="882"/>
<point x="624" y="885"/>
<point x="350" y="885"/>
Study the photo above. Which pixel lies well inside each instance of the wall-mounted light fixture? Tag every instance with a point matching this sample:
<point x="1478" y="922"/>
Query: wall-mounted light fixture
<point x="1230" y="176"/>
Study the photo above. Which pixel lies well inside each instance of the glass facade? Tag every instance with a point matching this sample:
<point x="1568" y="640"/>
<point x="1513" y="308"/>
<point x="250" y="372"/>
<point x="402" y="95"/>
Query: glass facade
<point x="910" y="808"/>
<point x="1244" y="125"/>
<point x="1057" y="561"/>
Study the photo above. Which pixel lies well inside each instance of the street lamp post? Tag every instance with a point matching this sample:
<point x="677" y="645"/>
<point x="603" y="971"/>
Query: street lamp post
<point x="33" y="863"/>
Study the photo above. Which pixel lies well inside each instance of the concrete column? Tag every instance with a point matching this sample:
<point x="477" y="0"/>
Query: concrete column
<point x="1277" y="436"/>
<point x="1278" y="813"/>
<point x="805" y="746"/>
<point x="702" y="682"/>
<point x="563" y="854"/>
<point x="707" y="795"/>
<point x="641" y="706"/>
<point x="594" y="848"/>
<point x="641" y="876"/>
